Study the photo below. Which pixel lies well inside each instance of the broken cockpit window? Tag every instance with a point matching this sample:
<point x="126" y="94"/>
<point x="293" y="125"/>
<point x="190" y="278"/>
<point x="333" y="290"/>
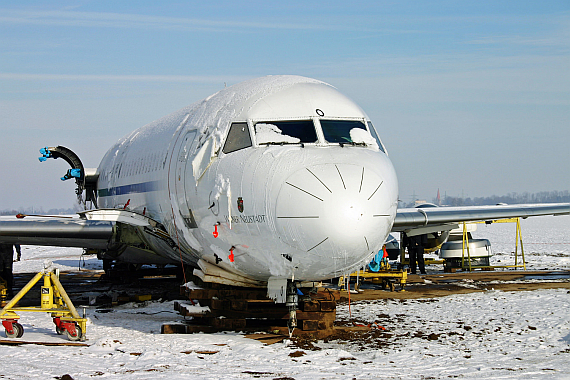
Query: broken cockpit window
<point x="285" y="132"/>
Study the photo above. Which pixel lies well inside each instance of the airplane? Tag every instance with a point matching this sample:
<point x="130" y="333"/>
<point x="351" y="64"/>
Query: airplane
<point x="268" y="183"/>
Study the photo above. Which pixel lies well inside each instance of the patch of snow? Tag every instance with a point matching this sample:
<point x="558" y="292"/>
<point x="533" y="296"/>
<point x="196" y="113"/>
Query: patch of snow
<point x="195" y="309"/>
<point x="191" y="286"/>
<point x="362" y="136"/>
<point x="222" y="185"/>
<point x="270" y="133"/>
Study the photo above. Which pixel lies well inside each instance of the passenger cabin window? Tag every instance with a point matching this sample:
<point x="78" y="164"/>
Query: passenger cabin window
<point x="375" y="135"/>
<point x="338" y="131"/>
<point x="285" y="132"/>
<point x="238" y="138"/>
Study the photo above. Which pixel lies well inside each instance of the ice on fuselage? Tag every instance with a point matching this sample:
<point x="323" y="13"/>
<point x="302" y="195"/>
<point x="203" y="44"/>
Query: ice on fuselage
<point x="270" y="133"/>
<point x="222" y="185"/>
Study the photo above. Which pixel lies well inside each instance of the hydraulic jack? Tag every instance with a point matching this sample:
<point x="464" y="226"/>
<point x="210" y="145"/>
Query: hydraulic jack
<point x="54" y="300"/>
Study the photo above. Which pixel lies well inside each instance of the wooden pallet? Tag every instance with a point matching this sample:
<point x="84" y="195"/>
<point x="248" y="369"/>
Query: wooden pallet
<point x="245" y="309"/>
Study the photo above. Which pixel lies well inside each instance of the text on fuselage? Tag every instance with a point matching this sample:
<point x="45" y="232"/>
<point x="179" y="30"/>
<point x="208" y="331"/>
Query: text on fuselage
<point x="246" y="219"/>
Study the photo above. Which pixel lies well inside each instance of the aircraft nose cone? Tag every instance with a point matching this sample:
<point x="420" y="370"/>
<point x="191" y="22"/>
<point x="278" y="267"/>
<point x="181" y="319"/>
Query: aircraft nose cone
<point x="338" y="212"/>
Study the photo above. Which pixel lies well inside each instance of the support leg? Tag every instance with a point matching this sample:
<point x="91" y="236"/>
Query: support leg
<point x="291" y="302"/>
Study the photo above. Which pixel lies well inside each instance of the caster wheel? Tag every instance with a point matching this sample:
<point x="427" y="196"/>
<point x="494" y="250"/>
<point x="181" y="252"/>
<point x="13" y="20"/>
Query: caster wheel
<point x="18" y="331"/>
<point x="77" y="336"/>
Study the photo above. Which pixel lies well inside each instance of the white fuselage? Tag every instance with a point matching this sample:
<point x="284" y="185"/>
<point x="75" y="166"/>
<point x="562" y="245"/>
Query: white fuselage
<point x="295" y="207"/>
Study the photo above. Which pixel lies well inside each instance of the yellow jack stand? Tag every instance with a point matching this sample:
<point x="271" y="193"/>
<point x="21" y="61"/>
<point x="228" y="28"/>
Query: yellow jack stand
<point x="3" y="292"/>
<point x="54" y="300"/>
<point x="385" y="277"/>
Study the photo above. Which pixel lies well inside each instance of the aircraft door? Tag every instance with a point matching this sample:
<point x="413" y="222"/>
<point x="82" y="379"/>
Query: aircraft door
<point x="203" y="158"/>
<point x="181" y="180"/>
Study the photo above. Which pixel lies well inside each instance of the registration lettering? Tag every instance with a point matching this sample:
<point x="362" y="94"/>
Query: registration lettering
<point x="246" y="219"/>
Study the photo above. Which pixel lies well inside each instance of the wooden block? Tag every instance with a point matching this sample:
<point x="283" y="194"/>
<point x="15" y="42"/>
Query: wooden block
<point x="227" y="323"/>
<point x="238" y="323"/>
<point x="198" y="294"/>
<point x="173" y="329"/>
<point x="310" y="306"/>
<point x="192" y="329"/>
<point x="328" y="305"/>
<point x="239" y="304"/>
<point x="309" y="325"/>
<point x="222" y="323"/>
<point x="314" y="315"/>
<point x="216" y="304"/>
<point x="326" y="324"/>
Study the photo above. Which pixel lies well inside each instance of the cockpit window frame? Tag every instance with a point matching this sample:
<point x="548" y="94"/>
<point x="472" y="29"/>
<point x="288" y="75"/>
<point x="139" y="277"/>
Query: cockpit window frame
<point x="376" y="136"/>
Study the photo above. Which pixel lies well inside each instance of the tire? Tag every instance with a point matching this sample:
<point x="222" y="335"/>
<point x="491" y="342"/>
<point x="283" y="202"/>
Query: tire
<point x="78" y="336"/>
<point x="18" y="331"/>
<point x="21" y="333"/>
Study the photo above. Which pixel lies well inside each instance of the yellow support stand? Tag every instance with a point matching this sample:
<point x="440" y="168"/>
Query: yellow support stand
<point x="465" y="243"/>
<point x="383" y="277"/>
<point x="3" y="292"/>
<point x="518" y="238"/>
<point x="54" y="300"/>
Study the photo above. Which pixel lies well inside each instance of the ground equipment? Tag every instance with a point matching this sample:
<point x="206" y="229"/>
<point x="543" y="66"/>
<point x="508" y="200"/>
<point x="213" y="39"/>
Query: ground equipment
<point x="3" y="292"/>
<point x="54" y="300"/>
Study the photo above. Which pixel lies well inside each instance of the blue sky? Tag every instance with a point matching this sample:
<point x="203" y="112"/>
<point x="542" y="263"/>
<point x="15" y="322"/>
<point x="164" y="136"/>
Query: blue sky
<point x="472" y="98"/>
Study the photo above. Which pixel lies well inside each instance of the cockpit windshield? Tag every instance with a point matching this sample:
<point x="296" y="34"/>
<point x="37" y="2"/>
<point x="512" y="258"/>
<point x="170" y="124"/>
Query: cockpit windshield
<point x="350" y="132"/>
<point x="338" y="131"/>
<point x="285" y="132"/>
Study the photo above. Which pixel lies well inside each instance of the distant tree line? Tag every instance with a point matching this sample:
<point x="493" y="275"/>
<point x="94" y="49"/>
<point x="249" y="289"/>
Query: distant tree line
<point x="39" y="211"/>
<point x="511" y="198"/>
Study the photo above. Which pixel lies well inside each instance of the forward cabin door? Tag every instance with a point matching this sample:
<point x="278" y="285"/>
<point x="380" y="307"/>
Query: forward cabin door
<point x="183" y="188"/>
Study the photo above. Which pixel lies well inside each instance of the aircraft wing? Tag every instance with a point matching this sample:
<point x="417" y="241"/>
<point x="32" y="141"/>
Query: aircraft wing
<point x="121" y="234"/>
<point x="57" y="231"/>
<point x="429" y="219"/>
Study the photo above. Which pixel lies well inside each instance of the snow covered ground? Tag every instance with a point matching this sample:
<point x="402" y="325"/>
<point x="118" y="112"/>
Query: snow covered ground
<point x="494" y="334"/>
